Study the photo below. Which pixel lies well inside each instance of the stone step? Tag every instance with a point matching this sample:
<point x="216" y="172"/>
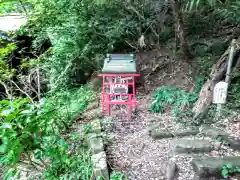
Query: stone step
<point x="100" y="168"/>
<point x="233" y="143"/>
<point x="213" y="132"/>
<point x="95" y="143"/>
<point x="180" y="146"/>
<point x="160" y="133"/>
<point x="212" y="166"/>
<point x="187" y="132"/>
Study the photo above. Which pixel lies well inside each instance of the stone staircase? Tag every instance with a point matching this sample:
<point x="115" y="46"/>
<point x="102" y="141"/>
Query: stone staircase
<point x="96" y="144"/>
<point x="196" y="142"/>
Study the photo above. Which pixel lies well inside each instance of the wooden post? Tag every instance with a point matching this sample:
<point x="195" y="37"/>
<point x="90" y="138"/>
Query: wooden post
<point x="130" y="107"/>
<point x="231" y="55"/>
<point x="227" y="78"/>
<point x="102" y="100"/>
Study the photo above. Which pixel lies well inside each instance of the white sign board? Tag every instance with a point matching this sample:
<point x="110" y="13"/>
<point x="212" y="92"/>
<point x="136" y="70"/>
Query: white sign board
<point x="220" y="93"/>
<point x="119" y="86"/>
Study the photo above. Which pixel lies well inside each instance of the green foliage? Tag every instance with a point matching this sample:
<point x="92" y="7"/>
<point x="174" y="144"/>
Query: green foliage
<point x="229" y="169"/>
<point x="13" y="6"/>
<point x="205" y="64"/>
<point x="233" y="92"/>
<point x="200" y="82"/>
<point x="115" y="175"/>
<point x="167" y="34"/>
<point x="5" y="71"/>
<point x="171" y="96"/>
<point x="194" y="4"/>
<point x="219" y="139"/>
<point x="69" y="103"/>
<point x="65" y="165"/>
<point x="20" y="123"/>
<point x="38" y="127"/>
<point x="79" y="31"/>
<point x="87" y="128"/>
<point x="226" y="11"/>
<point x="8" y="6"/>
<point x="229" y="13"/>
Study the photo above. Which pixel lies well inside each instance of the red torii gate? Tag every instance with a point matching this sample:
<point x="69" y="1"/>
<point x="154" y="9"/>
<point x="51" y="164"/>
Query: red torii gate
<point x="118" y="82"/>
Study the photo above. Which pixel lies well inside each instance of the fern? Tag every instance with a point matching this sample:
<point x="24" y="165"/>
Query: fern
<point x="167" y="95"/>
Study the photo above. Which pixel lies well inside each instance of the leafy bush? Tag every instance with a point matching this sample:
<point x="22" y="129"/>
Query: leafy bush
<point x="224" y="11"/>
<point x="199" y="83"/>
<point x="19" y="127"/>
<point x="229" y="12"/>
<point x="15" y="6"/>
<point x="5" y="51"/>
<point x="229" y="169"/>
<point x="167" y="95"/>
<point x="69" y="103"/>
<point x="36" y="128"/>
<point x="64" y="165"/>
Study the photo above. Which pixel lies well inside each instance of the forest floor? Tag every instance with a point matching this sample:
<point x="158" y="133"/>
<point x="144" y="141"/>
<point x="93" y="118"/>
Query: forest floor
<point x="137" y="154"/>
<point x="142" y="158"/>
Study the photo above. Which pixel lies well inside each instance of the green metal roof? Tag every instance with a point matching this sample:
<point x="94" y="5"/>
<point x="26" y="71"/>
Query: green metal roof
<point x="119" y="63"/>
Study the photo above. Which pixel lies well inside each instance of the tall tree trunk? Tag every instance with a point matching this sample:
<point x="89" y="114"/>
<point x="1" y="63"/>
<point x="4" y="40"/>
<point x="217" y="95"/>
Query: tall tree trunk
<point x="179" y="28"/>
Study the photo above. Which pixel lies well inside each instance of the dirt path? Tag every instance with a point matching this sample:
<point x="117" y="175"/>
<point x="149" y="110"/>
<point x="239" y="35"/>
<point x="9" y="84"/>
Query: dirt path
<point x="134" y="151"/>
<point x="141" y="157"/>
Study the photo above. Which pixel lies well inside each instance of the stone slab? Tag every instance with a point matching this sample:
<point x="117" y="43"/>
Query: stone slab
<point x="187" y="132"/>
<point x="100" y="168"/>
<point x="95" y="143"/>
<point x="155" y="126"/>
<point x="233" y="143"/>
<point x="160" y="134"/>
<point x="212" y="166"/>
<point x="190" y="146"/>
<point x="213" y="132"/>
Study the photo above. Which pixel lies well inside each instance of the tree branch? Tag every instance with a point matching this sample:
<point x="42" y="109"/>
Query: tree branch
<point x="6" y="90"/>
<point x="130" y="7"/>
<point x="38" y="83"/>
<point x="132" y="46"/>
<point x="22" y="91"/>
